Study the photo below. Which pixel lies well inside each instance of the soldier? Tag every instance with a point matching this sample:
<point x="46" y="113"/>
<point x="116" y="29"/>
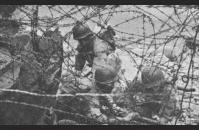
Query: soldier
<point x="108" y="80"/>
<point x="165" y="55"/>
<point x="91" y="48"/>
<point x="155" y="96"/>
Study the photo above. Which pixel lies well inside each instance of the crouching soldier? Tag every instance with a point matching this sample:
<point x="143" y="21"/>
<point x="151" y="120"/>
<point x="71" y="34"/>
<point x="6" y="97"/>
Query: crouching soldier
<point x="91" y="48"/>
<point x="155" y="97"/>
<point x="109" y="80"/>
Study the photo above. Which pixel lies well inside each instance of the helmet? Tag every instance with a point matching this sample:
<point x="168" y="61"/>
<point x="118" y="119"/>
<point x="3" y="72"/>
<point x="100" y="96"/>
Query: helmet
<point x="108" y="71"/>
<point x="151" y="75"/>
<point x="105" y="75"/>
<point x="170" y="53"/>
<point x="105" y="79"/>
<point x="81" y="31"/>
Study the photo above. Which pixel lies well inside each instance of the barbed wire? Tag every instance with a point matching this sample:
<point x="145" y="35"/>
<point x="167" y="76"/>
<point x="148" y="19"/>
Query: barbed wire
<point x="179" y="29"/>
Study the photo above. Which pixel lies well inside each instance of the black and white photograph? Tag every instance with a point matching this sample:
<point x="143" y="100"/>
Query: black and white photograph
<point x="99" y="64"/>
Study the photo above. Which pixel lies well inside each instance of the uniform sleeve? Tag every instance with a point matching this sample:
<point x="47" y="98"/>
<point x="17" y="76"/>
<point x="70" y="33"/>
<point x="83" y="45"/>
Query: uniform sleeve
<point x="79" y="62"/>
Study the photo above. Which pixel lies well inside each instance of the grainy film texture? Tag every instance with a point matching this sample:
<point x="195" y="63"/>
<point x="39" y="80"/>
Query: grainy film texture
<point x="99" y="65"/>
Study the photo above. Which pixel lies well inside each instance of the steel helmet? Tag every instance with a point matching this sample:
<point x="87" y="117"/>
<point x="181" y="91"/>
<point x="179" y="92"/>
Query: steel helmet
<point x="170" y="53"/>
<point x="105" y="79"/>
<point x="105" y="75"/>
<point x="108" y="72"/>
<point x="81" y="31"/>
<point x="151" y="75"/>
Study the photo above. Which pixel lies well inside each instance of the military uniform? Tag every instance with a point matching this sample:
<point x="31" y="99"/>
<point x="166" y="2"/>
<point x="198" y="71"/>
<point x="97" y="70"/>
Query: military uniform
<point x="93" y="50"/>
<point x="98" y="107"/>
<point x="155" y="96"/>
<point x="108" y="80"/>
<point x="85" y="53"/>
